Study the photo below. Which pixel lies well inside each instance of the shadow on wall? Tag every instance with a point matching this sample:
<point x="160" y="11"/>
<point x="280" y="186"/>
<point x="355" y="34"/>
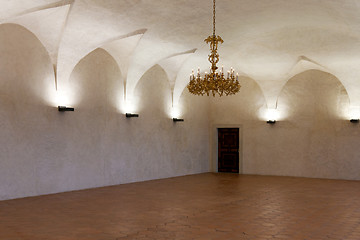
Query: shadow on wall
<point x="26" y="71"/>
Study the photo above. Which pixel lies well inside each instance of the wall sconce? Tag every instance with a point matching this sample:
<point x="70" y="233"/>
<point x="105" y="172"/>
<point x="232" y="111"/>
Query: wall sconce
<point x="65" y="108"/>
<point x="354" y="113"/>
<point x="271" y="116"/>
<point x="178" y="120"/>
<point x="130" y="115"/>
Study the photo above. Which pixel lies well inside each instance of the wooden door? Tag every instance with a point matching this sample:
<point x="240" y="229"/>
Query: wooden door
<point x="228" y="151"/>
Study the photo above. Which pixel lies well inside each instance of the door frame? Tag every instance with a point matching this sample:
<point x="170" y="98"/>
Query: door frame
<point x="214" y="146"/>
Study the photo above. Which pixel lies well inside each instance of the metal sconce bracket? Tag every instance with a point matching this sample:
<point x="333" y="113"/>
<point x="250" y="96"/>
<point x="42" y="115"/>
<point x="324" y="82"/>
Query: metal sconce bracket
<point x="65" y="109"/>
<point x="130" y="115"/>
<point x="178" y="120"/>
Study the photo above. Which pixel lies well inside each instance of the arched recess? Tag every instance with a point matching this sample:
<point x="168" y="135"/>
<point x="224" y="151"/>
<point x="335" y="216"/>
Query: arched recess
<point x="26" y="65"/>
<point x="96" y="82"/>
<point x="296" y="47"/>
<point x="272" y="88"/>
<point x="302" y="65"/>
<point x="313" y="94"/>
<point x="155" y="87"/>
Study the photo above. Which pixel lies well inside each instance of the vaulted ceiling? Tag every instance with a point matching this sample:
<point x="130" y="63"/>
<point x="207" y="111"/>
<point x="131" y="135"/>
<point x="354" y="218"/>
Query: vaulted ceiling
<point x="268" y="41"/>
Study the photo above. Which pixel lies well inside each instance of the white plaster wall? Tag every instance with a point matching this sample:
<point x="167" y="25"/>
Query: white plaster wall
<point x="44" y="151"/>
<point x="312" y="137"/>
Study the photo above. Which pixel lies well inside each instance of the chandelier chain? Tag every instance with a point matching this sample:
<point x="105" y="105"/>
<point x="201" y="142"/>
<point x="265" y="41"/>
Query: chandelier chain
<point x="214" y="19"/>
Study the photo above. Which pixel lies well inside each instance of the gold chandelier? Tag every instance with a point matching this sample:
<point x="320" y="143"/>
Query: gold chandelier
<point x="213" y="81"/>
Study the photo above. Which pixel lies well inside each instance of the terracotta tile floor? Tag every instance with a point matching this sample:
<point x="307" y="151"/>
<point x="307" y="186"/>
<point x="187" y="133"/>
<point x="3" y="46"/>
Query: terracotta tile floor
<point x="203" y="206"/>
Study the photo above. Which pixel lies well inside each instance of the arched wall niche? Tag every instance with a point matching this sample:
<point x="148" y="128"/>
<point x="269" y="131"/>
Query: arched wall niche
<point x="31" y="78"/>
<point x="313" y="94"/>
<point x="96" y="82"/>
<point x="154" y="84"/>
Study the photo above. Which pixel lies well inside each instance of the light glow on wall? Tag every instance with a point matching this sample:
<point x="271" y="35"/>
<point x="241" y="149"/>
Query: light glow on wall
<point x="175" y="112"/>
<point x="61" y="98"/>
<point x="279" y="113"/>
<point x="354" y="112"/>
<point x="272" y="114"/>
<point x="129" y="106"/>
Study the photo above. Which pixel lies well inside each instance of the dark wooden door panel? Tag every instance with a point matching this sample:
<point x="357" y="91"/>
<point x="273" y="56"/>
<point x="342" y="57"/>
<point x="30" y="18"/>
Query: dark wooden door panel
<point x="229" y="140"/>
<point x="229" y="162"/>
<point x="228" y="149"/>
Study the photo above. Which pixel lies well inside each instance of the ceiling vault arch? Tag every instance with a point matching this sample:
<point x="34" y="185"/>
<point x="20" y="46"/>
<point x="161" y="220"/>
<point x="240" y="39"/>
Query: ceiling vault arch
<point x="270" y="46"/>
